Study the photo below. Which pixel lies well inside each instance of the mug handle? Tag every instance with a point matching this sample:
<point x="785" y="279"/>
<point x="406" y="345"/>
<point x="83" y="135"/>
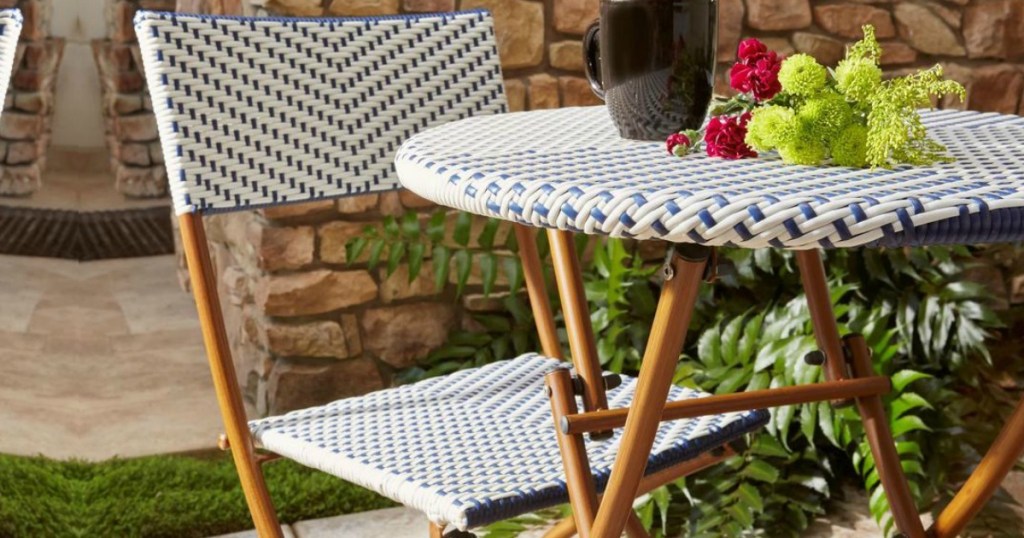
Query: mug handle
<point x="592" y="58"/>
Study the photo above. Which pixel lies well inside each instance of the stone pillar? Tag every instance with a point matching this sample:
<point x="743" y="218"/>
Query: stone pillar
<point x="25" y="125"/>
<point x="135" y="157"/>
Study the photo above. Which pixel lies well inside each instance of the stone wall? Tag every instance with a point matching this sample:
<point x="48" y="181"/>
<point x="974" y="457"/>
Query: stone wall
<point x="135" y="157"/>
<point x="306" y="326"/>
<point x="28" y="107"/>
<point x="979" y="42"/>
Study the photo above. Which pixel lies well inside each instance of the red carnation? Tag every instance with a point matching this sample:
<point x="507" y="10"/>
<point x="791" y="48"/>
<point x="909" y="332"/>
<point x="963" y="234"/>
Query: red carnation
<point x="725" y="137"/>
<point x="757" y="72"/>
<point x="677" y="139"/>
<point x="750" y="48"/>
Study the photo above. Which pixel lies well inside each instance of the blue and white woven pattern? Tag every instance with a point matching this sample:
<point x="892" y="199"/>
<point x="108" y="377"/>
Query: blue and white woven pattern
<point x="476" y="446"/>
<point x="10" y="30"/>
<point x="569" y="169"/>
<point x="265" y="111"/>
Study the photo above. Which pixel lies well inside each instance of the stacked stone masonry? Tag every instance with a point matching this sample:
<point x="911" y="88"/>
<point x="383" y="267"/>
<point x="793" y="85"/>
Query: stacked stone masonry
<point x="135" y="157"/>
<point x="28" y="106"/>
<point x="308" y="327"/>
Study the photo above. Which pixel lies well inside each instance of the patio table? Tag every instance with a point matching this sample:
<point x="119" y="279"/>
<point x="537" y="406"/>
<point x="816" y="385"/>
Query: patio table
<point x="568" y="171"/>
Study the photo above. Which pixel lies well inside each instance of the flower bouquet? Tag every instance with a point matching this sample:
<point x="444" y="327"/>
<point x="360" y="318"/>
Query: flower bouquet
<point x="811" y="115"/>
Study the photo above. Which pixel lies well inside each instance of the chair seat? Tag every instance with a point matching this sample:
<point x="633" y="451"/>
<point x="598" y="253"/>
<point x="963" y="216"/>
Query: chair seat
<point x="476" y="446"/>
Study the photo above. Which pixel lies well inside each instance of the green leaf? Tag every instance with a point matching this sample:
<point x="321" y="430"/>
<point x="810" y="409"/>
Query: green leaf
<point x="415" y="258"/>
<point x="901" y="379"/>
<point x="435" y="227"/>
<point x="391" y="228"/>
<point x="749" y="495"/>
<point x="463" y="265"/>
<point x="441" y="259"/>
<point x="376" y="248"/>
<point x="908" y="424"/>
<point x="410" y="226"/>
<point x="397" y="252"/>
<point x="761" y="470"/>
<point x="486" y="237"/>
<point x="514" y="272"/>
<point x="355" y="248"/>
<point x="463" y="225"/>
<point x="488" y="264"/>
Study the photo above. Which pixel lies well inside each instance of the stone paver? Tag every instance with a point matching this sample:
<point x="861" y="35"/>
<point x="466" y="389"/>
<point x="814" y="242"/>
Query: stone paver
<point x="391" y="522"/>
<point x="101" y="359"/>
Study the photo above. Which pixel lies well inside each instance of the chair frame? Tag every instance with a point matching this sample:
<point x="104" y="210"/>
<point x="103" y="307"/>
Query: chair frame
<point x="248" y="461"/>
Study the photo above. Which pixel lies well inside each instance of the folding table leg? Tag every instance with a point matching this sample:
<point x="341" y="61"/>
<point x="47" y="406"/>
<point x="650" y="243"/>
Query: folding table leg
<point x="229" y="397"/>
<point x="883" y="447"/>
<point x="668" y="333"/>
<point x="536" y="289"/>
<point x="852" y="353"/>
<point x="985" y="480"/>
<point x="577" y="319"/>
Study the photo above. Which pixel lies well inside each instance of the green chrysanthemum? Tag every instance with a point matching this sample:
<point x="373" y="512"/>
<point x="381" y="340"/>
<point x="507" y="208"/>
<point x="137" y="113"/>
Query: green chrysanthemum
<point x="802" y="75"/>
<point x="770" y="126"/>
<point x="850" y="148"/>
<point x="858" y="79"/>
<point x="827" y="115"/>
<point x="803" y="147"/>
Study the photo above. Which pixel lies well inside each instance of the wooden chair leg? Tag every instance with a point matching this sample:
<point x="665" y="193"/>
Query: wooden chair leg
<point x="536" y="289"/>
<point x="668" y="333"/>
<point x="225" y="382"/>
<point x="578" y="478"/>
<point x="436" y="531"/>
<point x="984" y="481"/>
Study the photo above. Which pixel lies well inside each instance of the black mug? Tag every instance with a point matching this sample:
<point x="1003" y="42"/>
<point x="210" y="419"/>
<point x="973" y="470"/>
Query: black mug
<point x="653" y="63"/>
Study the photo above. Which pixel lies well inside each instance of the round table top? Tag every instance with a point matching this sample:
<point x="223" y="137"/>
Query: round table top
<point x="569" y="169"/>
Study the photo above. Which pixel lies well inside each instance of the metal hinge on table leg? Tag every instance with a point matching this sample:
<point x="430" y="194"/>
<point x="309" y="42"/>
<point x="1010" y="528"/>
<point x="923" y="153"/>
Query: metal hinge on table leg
<point x="691" y="252"/>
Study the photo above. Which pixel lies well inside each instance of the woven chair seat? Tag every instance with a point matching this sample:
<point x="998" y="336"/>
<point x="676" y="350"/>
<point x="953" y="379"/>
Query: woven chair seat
<point x="476" y="446"/>
<point x="569" y="169"/>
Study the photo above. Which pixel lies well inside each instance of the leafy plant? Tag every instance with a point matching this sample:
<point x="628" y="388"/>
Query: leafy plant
<point x="925" y="323"/>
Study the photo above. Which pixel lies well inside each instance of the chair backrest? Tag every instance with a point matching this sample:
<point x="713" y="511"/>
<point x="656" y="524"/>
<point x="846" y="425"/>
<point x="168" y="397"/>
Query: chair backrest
<point x="264" y="111"/>
<point x="10" y="30"/>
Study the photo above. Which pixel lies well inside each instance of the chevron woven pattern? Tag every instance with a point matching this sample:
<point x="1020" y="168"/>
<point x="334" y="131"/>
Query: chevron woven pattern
<point x="10" y="30"/>
<point x="476" y="446"/>
<point x="256" y="112"/>
<point x="569" y="169"/>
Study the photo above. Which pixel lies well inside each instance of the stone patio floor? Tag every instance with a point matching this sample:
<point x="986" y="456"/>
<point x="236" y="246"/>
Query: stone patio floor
<point x="105" y="359"/>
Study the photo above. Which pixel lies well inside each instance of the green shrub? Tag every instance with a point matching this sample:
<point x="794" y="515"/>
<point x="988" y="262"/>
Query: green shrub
<point x="925" y="322"/>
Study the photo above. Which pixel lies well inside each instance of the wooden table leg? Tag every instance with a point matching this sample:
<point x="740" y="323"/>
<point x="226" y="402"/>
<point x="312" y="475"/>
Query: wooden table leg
<point x="883" y="447"/>
<point x="985" y="480"/>
<point x="675" y="308"/>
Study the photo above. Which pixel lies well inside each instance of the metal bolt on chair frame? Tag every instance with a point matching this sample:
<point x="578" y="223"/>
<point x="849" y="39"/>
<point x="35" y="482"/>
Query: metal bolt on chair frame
<point x="259" y="112"/>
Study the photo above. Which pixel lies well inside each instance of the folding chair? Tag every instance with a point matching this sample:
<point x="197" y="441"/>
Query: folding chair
<point x="259" y="112"/>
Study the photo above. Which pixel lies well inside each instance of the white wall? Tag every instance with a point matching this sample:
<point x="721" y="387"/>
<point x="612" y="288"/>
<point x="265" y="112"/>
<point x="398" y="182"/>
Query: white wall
<point x="78" y="117"/>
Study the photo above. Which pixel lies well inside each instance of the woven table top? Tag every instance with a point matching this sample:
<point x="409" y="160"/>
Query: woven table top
<point x="568" y="169"/>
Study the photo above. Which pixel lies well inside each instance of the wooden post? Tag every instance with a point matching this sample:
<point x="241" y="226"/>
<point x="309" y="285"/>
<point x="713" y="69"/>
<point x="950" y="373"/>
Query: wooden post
<point x="225" y="383"/>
